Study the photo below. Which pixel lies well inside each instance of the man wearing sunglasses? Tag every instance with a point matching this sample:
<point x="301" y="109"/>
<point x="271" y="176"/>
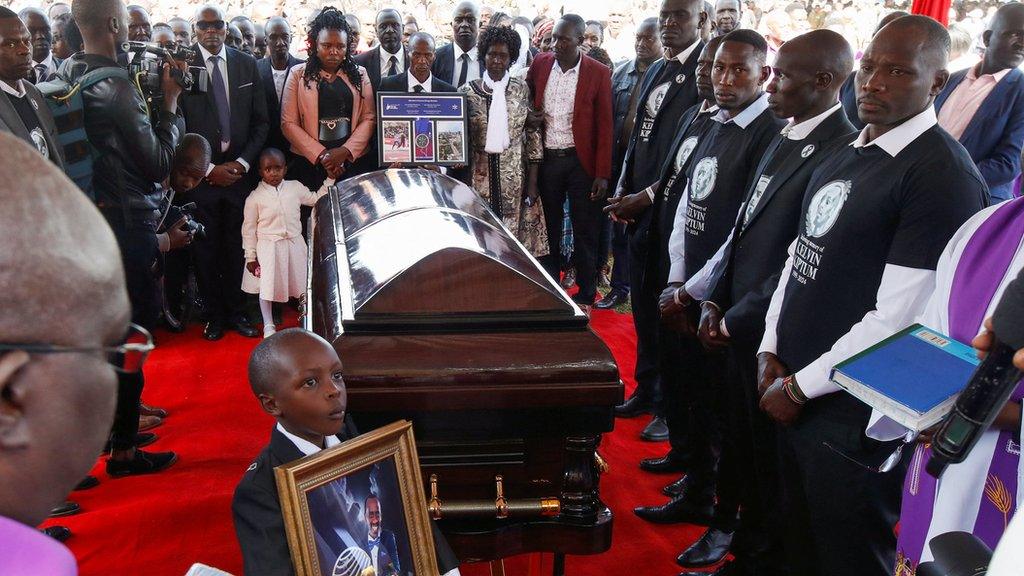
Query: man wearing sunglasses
<point x="57" y="386"/>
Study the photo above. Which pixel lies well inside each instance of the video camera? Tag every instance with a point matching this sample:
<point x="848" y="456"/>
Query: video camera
<point x="145" y="64"/>
<point x="174" y="214"/>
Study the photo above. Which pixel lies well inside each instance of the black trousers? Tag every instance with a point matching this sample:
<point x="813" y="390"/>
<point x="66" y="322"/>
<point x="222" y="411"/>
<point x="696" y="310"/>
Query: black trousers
<point x="139" y="252"/>
<point x="613" y="240"/>
<point x="218" y="256"/>
<point x="839" y="515"/>
<point x="560" y="178"/>
<point x="748" y="467"/>
<point x="646" y="320"/>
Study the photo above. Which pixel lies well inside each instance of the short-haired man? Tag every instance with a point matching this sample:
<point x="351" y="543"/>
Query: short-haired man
<point x="44" y="64"/>
<point x="56" y="9"/>
<point x="573" y="92"/>
<point x="380" y="542"/>
<point x="741" y="277"/>
<point x="458" y="62"/>
<point x="983" y="106"/>
<point x="259" y="50"/>
<point x="418" y="78"/>
<point x="57" y="389"/>
<point x="274" y="69"/>
<point x="248" y="31"/>
<point x="182" y="30"/>
<point x="355" y="26"/>
<point x="140" y="29"/>
<point x="66" y="38"/>
<point x="876" y="216"/>
<point x="23" y="111"/>
<point x="410" y="28"/>
<point x="727" y="16"/>
<point x="389" y="57"/>
<point x="163" y="36"/>
<point x="593" y="36"/>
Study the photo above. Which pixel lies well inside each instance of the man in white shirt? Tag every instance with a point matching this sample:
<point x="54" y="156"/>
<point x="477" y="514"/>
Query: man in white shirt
<point x="44" y="63"/>
<point x="274" y="69"/>
<point x="458" y="62"/>
<point x="389" y="57"/>
<point x="419" y="77"/>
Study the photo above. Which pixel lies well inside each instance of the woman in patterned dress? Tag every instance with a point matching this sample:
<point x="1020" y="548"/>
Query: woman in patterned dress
<point x="505" y="153"/>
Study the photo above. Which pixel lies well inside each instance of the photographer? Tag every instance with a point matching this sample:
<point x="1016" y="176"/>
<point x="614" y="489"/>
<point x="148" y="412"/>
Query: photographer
<point x="132" y="154"/>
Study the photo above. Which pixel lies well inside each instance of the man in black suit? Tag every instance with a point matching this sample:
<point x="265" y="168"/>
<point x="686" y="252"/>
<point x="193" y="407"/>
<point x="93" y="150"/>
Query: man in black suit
<point x="232" y="116"/>
<point x="23" y="112"/>
<point x="457" y="63"/>
<point x="44" y="63"/>
<point x="669" y="89"/>
<point x="387" y="59"/>
<point x="808" y="73"/>
<point x="274" y="70"/>
<point x="419" y="77"/>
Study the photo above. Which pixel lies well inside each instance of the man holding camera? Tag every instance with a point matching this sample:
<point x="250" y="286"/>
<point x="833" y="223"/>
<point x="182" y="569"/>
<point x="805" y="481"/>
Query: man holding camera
<point x="232" y="116"/>
<point x="133" y="152"/>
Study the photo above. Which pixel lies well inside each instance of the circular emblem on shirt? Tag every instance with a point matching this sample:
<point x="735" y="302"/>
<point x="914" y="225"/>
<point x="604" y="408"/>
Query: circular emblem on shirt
<point x="807" y="151"/>
<point x="703" y="182"/>
<point x="680" y="78"/>
<point x="40" y="141"/>
<point x="826" y="204"/>
<point x="685" y="149"/>
<point x="755" y="198"/>
<point x="656" y="97"/>
<point x="251" y="467"/>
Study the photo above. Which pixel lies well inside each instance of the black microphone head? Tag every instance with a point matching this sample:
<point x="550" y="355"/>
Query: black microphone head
<point x="1008" y="319"/>
<point x="960" y="554"/>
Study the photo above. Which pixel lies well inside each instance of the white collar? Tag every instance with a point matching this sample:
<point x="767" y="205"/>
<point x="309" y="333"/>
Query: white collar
<point x="19" y="93"/>
<point x="385" y="55"/>
<point x="576" y="68"/>
<point x="459" y="52"/>
<point x="683" y="56"/>
<point x="48" y="62"/>
<point x="413" y="82"/>
<point x="804" y="129"/>
<point x="895" y="140"/>
<point x="223" y="53"/>
<point x="305" y="446"/>
<point x="748" y="114"/>
<point x="706" y="109"/>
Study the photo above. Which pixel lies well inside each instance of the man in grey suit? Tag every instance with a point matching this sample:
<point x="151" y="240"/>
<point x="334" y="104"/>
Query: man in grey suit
<point x="23" y="112"/>
<point x="44" y="62"/>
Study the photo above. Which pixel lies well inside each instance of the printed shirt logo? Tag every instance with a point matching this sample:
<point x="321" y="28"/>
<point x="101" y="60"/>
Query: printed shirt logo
<point x="807" y="151"/>
<point x="704" y="176"/>
<point x="685" y="149"/>
<point x="825" y="207"/>
<point x="755" y="198"/>
<point x="656" y="97"/>
<point x="40" y="141"/>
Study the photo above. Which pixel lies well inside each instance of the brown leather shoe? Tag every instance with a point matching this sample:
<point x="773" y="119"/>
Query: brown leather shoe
<point x="149" y="422"/>
<point x="147" y="410"/>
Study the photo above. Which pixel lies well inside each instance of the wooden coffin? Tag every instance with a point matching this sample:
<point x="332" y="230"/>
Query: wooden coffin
<point x="441" y="317"/>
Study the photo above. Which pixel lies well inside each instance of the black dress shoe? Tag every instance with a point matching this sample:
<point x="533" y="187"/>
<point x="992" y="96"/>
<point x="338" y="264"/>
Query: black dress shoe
<point x="87" y="483"/>
<point x="613" y="299"/>
<point x="633" y="407"/>
<point x="679" y="510"/>
<point x="677" y="488"/>
<point x="66" y="509"/>
<point x="664" y="465"/>
<point x="213" y="331"/>
<point x="142" y="463"/>
<point x="246" y="329"/>
<point x="58" y="533"/>
<point x="142" y="439"/>
<point x="709" y="549"/>
<point x="656" y="430"/>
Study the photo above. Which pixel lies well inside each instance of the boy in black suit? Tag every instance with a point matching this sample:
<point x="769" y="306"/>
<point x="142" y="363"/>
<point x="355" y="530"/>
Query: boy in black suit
<point x="297" y="378"/>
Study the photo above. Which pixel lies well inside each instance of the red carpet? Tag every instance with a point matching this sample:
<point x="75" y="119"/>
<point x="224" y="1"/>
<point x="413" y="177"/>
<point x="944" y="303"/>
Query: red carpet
<point x="161" y="524"/>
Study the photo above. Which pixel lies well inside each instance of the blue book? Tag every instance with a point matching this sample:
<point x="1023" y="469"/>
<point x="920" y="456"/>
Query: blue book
<point x="913" y="376"/>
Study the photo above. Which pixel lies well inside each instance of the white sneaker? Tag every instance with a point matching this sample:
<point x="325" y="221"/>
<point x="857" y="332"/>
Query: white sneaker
<point x="268" y="330"/>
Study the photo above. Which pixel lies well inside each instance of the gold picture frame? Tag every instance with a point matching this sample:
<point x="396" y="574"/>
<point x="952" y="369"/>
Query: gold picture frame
<point x="388" y="452"/>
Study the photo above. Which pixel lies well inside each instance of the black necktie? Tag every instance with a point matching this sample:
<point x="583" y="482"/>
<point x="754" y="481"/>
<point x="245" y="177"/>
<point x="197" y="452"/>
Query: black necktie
<point x="463" y="71"/>
<point x="417" y="88"/>
<point x="40" y="73"/>
<point x="392" y="66"/>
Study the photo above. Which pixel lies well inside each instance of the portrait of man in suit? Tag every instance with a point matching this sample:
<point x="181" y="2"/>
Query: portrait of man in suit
<point x="380" y="542"/>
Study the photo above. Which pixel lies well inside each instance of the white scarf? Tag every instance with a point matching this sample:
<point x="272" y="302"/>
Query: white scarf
<point x="497" y="117"/>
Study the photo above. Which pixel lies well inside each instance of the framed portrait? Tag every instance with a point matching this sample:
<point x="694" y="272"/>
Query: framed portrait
<point x="358" y="509"/>
<point x="435" y="124"/>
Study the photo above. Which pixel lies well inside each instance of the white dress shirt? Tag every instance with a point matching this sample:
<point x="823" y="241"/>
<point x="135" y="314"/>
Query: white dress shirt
<point x="902" y="292"/>
<point x="413" y="82"/>
<point x="19" y="93"/>
<point x="50" y="68"/>
<point x="280" y="77"/>
<point x="677" y="240"/>
<point x="473" y="70"/>
<point x="559" y="106"/>
<point x="385" y="61"/>
<point x="222" y="63"/>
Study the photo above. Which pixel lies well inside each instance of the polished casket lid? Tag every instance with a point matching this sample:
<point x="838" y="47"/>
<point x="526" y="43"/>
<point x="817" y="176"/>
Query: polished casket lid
<point x="418" y="247"/>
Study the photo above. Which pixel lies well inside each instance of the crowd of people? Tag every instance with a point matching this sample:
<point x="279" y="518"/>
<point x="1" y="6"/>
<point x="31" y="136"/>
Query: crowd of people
<point x="772" y="187"/>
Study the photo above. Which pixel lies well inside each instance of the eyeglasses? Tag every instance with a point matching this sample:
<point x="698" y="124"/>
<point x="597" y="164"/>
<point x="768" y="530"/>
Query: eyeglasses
<point x="206" y="25"/>
<point x="882" y="468"/>
<point x="126" y="358"/>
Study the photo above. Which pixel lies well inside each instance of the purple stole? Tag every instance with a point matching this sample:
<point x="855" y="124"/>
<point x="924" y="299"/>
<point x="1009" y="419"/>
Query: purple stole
<point x="981" y="269"/>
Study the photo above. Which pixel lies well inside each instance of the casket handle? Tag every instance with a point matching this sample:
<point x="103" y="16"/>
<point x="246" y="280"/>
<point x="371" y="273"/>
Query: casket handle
<point x="602" y="465"/>
<point x="500" y="507"/>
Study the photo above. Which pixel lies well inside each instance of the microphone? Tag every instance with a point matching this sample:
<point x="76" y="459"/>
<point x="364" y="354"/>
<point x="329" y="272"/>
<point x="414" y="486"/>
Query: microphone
<point x="956" y="554"/>
<point x="989" y="388"/>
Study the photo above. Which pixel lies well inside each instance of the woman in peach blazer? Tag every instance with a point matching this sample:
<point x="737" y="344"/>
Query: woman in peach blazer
<point x="324" y="147"/>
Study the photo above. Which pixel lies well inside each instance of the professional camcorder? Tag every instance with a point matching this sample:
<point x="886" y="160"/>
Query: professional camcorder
<point x="174" y="214"/>
<point x="145" y="64"/>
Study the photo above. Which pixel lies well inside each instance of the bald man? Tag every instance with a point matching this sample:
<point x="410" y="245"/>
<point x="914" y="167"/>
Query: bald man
<point x="983" y="106"/>
<point x="848" y="94"/>
<point x="57" y="404"/>
<point x="274" y="69"/>
<point x="140" y="28"/>
<point x="44" y="63"/>
<point x="739" y="280"/>
<point x="248" y="32"/>
<point x="389" y="57"/>
<point x="457" y="63"/>
<point x="877" y="213"/>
